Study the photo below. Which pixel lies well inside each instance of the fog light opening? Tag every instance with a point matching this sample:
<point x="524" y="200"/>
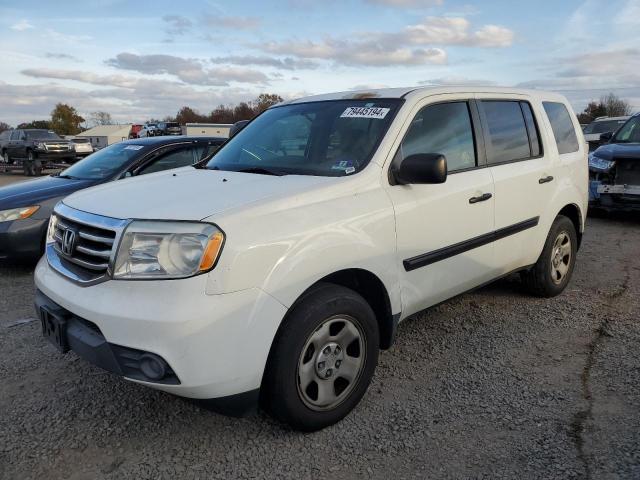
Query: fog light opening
<point x="153" y="367"/>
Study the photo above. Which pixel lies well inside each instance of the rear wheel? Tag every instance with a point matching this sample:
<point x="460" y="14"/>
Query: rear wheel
<point x="322" y="360"/>
<point x="552" y="272"/>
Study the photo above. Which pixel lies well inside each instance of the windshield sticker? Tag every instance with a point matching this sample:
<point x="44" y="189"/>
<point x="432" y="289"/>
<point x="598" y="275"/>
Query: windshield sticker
<point x="133" y="147"/>
<point x="365" y="112"/>
<point x="344" y="165"/>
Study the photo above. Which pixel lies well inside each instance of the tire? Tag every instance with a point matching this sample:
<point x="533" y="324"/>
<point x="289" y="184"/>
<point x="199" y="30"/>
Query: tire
<point x="37" y="167"/>
<point x="28" y="164"/>
<point x="311" y="387"/>
<point x="552" y="272"/>
<point x="6" y="158"/>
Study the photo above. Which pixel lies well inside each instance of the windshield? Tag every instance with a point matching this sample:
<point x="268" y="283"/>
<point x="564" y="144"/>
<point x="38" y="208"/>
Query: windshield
<point x="171" y="125"/>
<point x="603" y="126"/>
<point x="80" y="140"/>
<point x="106" y="162"/>
<point x="41" y="135"/>
<point x="331" y="138"/>
<point x="629" y="133"/>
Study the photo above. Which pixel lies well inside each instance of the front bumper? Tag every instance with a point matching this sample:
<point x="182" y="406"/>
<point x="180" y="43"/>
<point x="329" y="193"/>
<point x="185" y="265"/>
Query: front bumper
<point x="49" y="155"/>
<point x="216" y="345"/>
<point x="22" y="238"/>
<point x="614" y="197"/>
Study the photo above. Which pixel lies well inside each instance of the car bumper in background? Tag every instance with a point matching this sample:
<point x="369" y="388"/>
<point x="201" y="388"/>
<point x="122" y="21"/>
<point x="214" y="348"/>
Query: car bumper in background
<point x="22" y="239"/>
<point x="614" y="197"/>
<point x="216" y="346"/>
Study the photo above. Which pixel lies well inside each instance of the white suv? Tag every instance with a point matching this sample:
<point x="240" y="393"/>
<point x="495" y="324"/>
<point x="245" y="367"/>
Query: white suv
<point x="275" y="272"/>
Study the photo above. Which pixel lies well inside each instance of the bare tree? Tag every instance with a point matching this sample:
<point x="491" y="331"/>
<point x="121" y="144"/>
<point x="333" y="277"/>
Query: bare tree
<point x="615" y="106"/>
<point x="101" y="118"/>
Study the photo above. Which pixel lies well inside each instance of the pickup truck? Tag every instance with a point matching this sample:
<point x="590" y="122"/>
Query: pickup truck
<point x="34" y="148"/>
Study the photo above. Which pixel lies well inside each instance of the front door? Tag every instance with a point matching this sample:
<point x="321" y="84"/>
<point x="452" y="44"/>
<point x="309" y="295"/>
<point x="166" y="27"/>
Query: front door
<point x="444" y="231"/>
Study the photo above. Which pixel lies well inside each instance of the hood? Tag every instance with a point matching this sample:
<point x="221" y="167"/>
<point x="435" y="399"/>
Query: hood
<point x="50" y="140"/>
<point x="612" y="151"/>
<point x="187" y="193"/>
<point x="37" y="191"/>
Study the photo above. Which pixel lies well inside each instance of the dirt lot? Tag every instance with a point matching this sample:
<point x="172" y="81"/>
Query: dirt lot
<point x="492" y="384"/>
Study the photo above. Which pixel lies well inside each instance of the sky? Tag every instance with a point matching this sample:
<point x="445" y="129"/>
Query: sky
<point x="140" y="60"/>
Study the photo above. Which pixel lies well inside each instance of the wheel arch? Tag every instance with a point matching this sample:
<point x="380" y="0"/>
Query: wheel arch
<point x="573" y="213"/>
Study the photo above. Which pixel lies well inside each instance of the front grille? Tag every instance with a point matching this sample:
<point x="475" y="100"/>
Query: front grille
<point x="56" y="147"/>
<point x="627" y="172"/>
<point x="87" y="248"/>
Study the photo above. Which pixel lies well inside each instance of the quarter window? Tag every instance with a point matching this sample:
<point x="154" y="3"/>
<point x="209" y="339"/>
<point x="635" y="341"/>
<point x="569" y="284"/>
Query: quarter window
<point x="508" y="138"/>
<point x="562" y="126"/>
<point x="446" y="129"/>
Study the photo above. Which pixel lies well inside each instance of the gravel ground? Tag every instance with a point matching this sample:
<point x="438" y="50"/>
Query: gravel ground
<point x="492" y="384"/>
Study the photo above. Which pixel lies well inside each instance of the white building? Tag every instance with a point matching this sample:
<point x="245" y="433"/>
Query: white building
<point x="105" y="135"/>
<point x="208" y="129"/>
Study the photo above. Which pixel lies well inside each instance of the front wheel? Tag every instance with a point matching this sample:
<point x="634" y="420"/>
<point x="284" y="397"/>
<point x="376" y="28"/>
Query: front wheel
<point x="322" y="360"/>
<point x="552" y="272"/>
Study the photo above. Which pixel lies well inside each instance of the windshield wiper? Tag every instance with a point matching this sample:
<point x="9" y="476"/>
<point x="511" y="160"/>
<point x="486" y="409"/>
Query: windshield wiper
<point x="261" y="171"/>
<point x="68" y="177"/>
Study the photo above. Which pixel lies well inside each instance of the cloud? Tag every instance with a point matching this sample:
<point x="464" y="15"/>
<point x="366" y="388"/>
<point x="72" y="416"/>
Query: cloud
<point x="189" y="70"/>
<point x="61" y="56"/>
<point x="416" y="44"/>
<point x="604" y="69"/>
<point x="406" y="3"/>
<point x="177" y="24"/>
<point x="21" y="26"/>
<point x="230" y="22"/>
<point x="370" y="53"/>
<point x="143" y="99"/>
<point x="287" y="63"/>
<point x="456" y="80"/>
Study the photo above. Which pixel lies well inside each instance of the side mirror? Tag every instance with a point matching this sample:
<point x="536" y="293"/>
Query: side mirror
<point x="421" y="168"/>
<point x="605" y="137"/>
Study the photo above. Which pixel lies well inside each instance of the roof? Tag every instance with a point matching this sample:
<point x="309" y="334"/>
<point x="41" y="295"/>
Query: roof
<point x="417" y="92"/>
<point x="220" y="125"/>
<point x="106" y="131"/>
<point x="607" y="119"/>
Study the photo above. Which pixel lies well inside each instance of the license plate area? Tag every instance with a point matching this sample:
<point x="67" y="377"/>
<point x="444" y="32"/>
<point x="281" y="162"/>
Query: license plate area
<point x="54" y="329"/>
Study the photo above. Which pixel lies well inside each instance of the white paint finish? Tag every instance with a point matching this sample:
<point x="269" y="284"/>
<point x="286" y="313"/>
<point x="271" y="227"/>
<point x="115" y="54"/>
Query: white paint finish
<point x="283" y="234"/>
<point x="197" y="334"/>
<point x="186" y="193"/>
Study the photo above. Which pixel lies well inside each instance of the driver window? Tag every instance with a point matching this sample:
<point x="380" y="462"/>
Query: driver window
<point x="443" y="128"/>
<point x="181" y="157"/>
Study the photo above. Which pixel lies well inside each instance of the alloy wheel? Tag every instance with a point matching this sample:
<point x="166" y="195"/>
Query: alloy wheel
<point x="560" y="257"/>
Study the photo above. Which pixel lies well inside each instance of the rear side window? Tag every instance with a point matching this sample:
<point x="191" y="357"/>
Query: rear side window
<point x="532" y="128"/>
<point x="508" y="138"/>
<point x="446" y="129"/>
<point x="562" y="126"/>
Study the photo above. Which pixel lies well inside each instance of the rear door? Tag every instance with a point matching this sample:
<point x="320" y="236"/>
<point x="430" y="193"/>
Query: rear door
<point x="524" y="174"/>
<point x="442" y="230"/>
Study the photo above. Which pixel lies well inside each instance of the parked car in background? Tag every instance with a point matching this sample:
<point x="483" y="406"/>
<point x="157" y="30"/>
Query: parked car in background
<point x="135" y="130"/>
<point x="614" y="169"/>
<point x="25" y="207"/>
<point x="82" y="147"/>
<point x="148" y="130"/>
<point x="35" y="147"/>
<point x="169" y="128"/>
<point x="599" y="126"/>
<point x="236" y="127"/>
<point x="278" y="270"/>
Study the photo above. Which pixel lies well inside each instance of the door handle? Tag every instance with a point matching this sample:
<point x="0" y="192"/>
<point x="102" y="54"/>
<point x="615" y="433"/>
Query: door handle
<point x="545" y="180"/>
<point x="482" y="198"/>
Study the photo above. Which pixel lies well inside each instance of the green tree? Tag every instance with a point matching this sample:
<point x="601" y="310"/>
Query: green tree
<point x="39" y="124"/>
<point x="65" y="120"/>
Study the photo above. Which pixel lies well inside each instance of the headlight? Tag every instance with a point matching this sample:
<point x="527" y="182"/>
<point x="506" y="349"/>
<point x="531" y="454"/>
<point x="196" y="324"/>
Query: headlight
<point x="41" y="146"/>
<point x="53" y="223"/>
<point x="600" y="164"/>
<point x="17" y="213"/>
<point x="160" y="250"/>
